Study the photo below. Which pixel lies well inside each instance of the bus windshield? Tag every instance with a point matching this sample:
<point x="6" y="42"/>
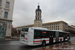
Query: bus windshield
<point x="25" y="29"/>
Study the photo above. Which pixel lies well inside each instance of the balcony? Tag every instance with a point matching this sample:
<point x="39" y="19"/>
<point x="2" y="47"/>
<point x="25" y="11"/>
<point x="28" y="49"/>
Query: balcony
<point x="6" y="9"/>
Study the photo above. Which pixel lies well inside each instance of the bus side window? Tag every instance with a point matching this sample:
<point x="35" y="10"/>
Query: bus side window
<point x="48" y="34"/>
<point x="53" y="32"/>
<point x="61" y="34"/>
<point x="37" y="34"/>
<point x="44" y="34"/>
<point x="65" y="34"/>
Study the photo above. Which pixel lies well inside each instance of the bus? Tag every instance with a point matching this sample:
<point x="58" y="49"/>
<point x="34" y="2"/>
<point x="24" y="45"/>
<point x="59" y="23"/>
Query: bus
<point x="42" y="36"/>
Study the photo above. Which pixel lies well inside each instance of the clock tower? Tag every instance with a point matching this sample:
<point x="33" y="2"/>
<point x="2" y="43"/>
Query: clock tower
<point x="38" y="21"/>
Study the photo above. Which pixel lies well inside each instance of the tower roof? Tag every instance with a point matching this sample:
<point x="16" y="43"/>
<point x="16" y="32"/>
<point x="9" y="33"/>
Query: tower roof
<point x="38" y="8"/>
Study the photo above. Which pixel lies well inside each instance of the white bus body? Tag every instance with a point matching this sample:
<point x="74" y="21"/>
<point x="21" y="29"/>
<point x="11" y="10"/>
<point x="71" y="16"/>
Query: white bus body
<point x="28" y="38"/>
<point x="42" y="36"/>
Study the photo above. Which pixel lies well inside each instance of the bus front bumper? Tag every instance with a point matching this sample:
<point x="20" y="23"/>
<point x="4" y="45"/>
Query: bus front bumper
<point x="29" y="43"/>
<point x="26" y="43"/>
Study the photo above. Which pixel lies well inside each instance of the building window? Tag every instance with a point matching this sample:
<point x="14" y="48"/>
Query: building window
<point x="0" y="2"/>
<point x="58" y="27"/>
<point x="52" y="26"/>
<point x="38" y="13"/>
<point x="7" y="4"/>
<point x="38" y="18"/>
<point x="6" y="15"/>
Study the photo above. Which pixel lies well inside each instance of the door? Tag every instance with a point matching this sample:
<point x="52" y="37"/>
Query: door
<point x="2" y="31"/>
<point x="50" y="37"/>
<point x="0" y="35"/>
<point x="65" y="38"/>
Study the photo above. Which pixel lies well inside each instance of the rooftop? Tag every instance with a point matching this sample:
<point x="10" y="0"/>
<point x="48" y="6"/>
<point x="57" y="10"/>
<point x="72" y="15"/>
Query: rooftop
<point x="31" y="25"/>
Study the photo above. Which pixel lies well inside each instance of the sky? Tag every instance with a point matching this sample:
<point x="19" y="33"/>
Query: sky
<point x="52" y="10"/>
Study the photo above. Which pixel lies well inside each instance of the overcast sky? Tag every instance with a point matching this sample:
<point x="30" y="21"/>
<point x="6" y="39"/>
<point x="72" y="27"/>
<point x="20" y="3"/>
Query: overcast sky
<point x="52" y="10"/>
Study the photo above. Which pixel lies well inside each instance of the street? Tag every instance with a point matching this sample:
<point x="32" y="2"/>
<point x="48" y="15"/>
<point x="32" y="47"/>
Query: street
<point x="16" y="45"/>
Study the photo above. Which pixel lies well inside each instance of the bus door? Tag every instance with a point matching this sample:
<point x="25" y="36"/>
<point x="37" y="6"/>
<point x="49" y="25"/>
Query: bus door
<point x="68" y="36"/>
<point x="65" y="36"/>
<point x="50" y="37"/>
<point x="37" y="36"/>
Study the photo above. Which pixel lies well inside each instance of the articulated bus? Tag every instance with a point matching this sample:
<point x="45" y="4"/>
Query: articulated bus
<point x="42" y="36"/>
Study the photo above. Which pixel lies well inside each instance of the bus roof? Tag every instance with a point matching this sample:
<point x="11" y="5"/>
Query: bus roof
<point x="37" y="28"/>
<point x="60" y="31"/>
<point x="40" y="28"/>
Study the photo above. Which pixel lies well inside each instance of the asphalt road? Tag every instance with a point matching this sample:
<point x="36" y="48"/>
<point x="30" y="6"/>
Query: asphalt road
<point x="16" y="45"/>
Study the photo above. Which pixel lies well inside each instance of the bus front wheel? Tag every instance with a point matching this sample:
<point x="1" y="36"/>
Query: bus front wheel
<point x="43" y="43"/>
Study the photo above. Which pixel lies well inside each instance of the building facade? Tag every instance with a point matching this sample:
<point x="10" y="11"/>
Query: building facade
<point x="38" y="21"/>
<point x="6" y="13"/>
<point x="71" y="28"/>
<point x="58" y="25"/>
